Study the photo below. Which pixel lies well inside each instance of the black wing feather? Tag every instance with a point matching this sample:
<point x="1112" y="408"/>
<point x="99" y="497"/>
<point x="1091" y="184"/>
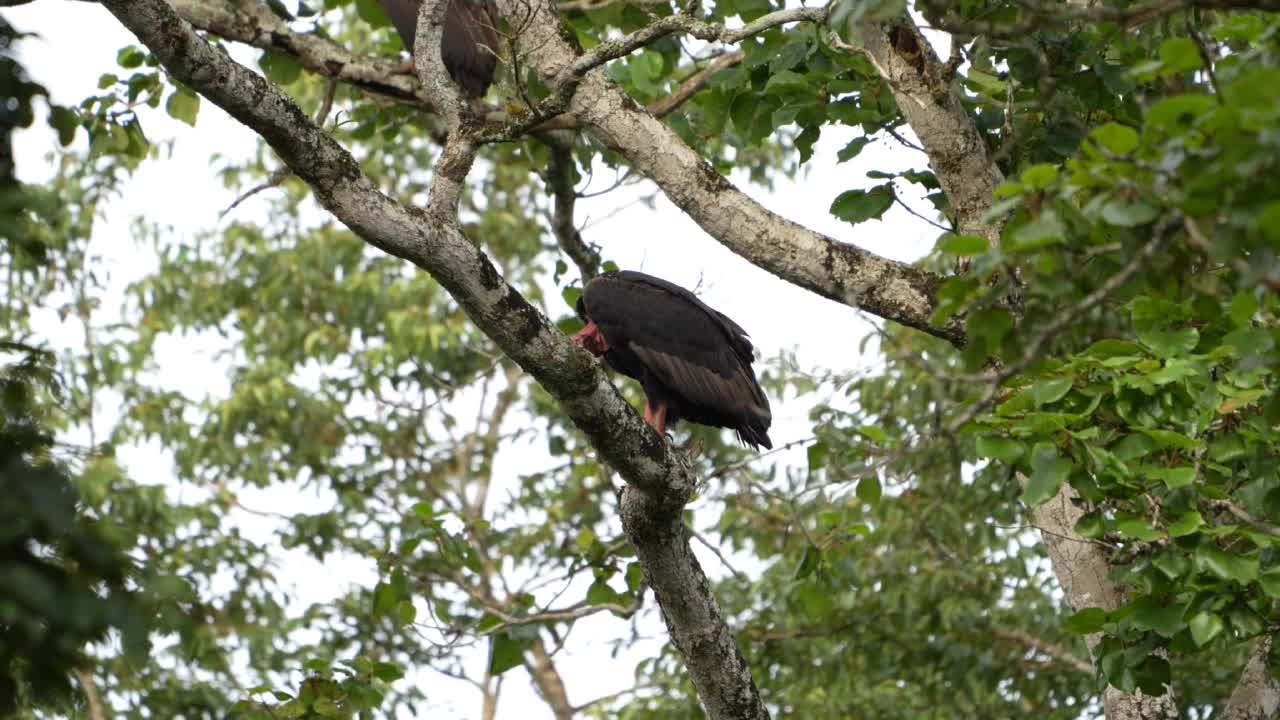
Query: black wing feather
<point x="688" y="347"/>
<point x="469" y="46"/>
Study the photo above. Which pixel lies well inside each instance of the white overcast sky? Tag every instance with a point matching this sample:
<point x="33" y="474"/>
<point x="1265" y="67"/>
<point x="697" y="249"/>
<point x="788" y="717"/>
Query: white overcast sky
<point x="77" y="42"/>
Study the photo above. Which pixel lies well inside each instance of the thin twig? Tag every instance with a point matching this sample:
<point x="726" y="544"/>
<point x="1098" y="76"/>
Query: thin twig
<point x="1038" y="645"/>
<point x="720" y="555"/>
<point x="283" y="172"/>
<point x="1243" y="516"/>
<point x="724" y="469"/>
<point x="96" y="711"/>
<point x="693" y="84"/>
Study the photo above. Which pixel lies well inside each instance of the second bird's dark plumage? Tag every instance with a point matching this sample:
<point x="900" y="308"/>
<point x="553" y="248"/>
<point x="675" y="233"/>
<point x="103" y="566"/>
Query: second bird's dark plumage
<point x="693" y="362"/>
<point x="469" y="46"/>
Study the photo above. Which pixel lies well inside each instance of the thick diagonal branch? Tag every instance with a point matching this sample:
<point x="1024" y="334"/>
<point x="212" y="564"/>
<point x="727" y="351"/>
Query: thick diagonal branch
<point x="956" y="151"/>
<point x="252" y="23"/>
<point x="1257" y="695"/>
<point x="835" y="270"/>
<point x="659" y="481"/>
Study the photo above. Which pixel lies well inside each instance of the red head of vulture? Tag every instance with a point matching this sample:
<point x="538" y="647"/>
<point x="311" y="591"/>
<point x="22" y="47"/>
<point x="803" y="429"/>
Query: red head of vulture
<point x="693" y="362"/>
<point x="469" y="46"/>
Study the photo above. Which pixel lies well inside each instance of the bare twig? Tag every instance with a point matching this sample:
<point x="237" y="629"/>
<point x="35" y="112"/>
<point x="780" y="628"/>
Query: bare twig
<point x="560" y="182"/>
<point x="1038" y="645"/>
<point x="94" y="700"/>
<point x="1243" y="516"/>
<point x="719" y="555"/>
<point x="694" y="83"/>
<point x="738" y="465"/>
<point x="282" y="173"/>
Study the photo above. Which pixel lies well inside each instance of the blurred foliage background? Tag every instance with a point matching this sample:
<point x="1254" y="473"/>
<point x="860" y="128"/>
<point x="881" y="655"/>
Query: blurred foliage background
<point x="896" y="574"/>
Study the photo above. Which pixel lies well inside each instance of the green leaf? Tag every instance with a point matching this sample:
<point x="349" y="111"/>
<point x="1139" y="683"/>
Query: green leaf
<point x="856" y="206"/>
<point x="817" y="456"/>
<point x="869" y="490"/>
<point x="1270" y="582"/>
<point x="131" y="57"/>
<point x="571" y="295"/>
<point x="1104" y="349"/>
<point x="873" y="433"/>
<point x="600" y="593"/>
<point x="1175" y="478"/>
<point x="372" y="13"/>
<point x="280" y="68"/>
<point x="1129" y="214"/>
<point x="1041" y="232"/>
<point x="1186" y="524"/>
<point x="406" y="612"/>
<point x="635" y="577"/>
<point x="1040" y="177"/>
<point x="1138" y="529"/>
<point x="809" y="562"/>
<point x="384" y="599"/>
<point x="65" y="121"/>
<point x="1150" y="616"/>
<point x="1170" y="439"/>
<point x="1050" y="391"/>
<point x="387" y="671"/>
<point x="1180" y="54"/>
<point x="1117" y="138"/>
<point x="850" y="151"/>
<point x="1240" y="568"/>
<point x="505" y="653"/>
<point x="1205" y="626"/>
<point x="1172" y="343"/>
<point x="1086" y="621"/>
<point x="964" y="245"/>
<point x="183" y="105"/>
<point x="997" y="448"/>
<point x="1172" y="563"/>
<point x="786" y="81"/>
<point x="1179" y="110"/>
<point x="1049" y="470"/>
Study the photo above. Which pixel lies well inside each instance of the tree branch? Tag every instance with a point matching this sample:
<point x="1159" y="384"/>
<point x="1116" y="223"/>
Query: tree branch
<point x="548" y="681"/>
<point x="834" y="270"/>
<point x="696" y="624"/>
<point x="1257" y="695"/>
<point x="968" y="176"/>
<point x="1072" y="14"/>
<point x="694" y="83"/>
<point x="252" y="23"/>
<point x="956" y="151"/>
<point x="659" y="480"/>
<point x="560" y="181"/>
<point x="1038" y="645"/>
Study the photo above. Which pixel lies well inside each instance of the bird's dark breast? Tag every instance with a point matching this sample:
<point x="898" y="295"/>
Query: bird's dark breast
<point x="688" y="357"/>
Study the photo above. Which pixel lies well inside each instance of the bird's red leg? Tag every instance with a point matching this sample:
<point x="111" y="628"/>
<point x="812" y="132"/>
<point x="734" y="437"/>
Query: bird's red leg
<point x="648" y="414"/>
<point x="660" y="419"/>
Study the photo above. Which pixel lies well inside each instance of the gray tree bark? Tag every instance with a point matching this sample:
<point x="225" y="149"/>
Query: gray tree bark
<point x="660" y="481"/>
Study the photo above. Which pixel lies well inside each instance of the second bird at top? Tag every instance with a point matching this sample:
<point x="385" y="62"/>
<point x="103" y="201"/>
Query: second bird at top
<point x="469" y="47"/>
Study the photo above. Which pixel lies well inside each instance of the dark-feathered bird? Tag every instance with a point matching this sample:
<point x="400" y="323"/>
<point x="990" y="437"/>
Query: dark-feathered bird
<point x="693" y="362"/>
<point x="469" y="46"/>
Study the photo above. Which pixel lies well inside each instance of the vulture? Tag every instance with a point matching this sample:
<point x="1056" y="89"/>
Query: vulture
<point x="469" y="46"/>
<point x="693" y="362"/>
